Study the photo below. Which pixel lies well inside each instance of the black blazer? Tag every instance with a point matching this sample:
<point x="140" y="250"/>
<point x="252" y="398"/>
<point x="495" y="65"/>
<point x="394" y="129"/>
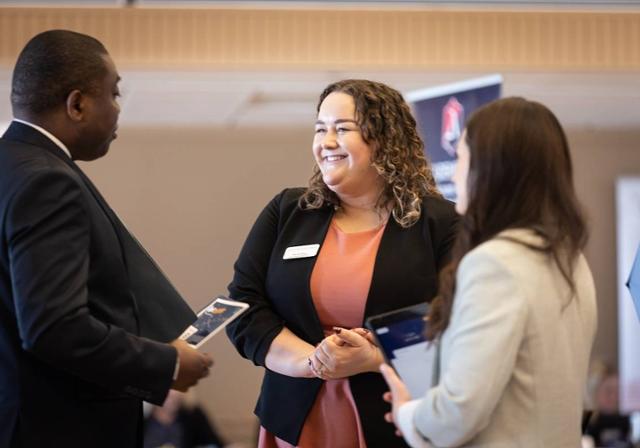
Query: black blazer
<point x="405" y="273"/>
<point x="72" y="370"/>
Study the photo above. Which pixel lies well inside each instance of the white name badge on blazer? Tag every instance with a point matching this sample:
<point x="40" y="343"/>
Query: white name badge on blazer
<point x="306" y="251"/>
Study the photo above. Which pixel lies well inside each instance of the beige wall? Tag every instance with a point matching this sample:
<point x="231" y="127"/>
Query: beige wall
<point x="192" y="195"/>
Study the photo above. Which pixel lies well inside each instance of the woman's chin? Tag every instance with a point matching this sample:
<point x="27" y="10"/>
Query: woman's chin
<point x="332" y="183"/>
<point x="333" y="188"/>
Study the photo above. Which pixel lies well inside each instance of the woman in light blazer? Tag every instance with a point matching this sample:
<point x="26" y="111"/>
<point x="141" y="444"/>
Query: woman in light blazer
<point x="515" y="316"/>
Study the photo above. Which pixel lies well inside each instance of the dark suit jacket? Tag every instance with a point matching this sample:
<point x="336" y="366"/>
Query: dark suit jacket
<point x="405" y="273"/>
<point x="72" y="371"/>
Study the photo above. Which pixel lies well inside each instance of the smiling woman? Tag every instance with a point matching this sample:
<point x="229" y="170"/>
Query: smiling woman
<point x="318" y="261"/>
<point x="342" y="155"/>
<point x="382" y="122"/>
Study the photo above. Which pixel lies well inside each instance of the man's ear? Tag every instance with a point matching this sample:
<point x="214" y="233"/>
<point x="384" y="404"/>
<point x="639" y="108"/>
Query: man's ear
<point x="75" y="105"/>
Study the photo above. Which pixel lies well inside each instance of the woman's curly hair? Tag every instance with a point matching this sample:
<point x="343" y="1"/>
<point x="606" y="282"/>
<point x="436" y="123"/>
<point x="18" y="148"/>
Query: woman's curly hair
<point x="386" y="124"/>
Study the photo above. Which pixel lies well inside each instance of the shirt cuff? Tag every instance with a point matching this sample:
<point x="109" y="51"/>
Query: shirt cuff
<point x="408" y="429"/>
<point x="177" y="369"/>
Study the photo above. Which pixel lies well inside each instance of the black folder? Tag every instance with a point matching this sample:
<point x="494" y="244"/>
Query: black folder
<point x="162" y="312"/>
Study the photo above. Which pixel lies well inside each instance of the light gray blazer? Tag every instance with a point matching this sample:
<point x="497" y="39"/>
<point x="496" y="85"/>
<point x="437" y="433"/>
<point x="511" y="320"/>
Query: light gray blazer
<point x="514" y="359"/>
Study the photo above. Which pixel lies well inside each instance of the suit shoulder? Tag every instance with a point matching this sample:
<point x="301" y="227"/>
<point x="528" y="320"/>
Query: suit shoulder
<point x="434" y="207"/>
<point x="496" y="249"/>
<point x="287" y="199"/>
<point x="17" y="158"/>
<point x="510" y="252"/>
<point x="291" y="195"/>
<point x="29" y="174"/>
<point x="497" y="268"/>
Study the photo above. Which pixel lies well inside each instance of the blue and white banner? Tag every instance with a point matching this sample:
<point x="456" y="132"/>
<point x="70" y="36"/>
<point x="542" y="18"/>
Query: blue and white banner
<point x="628" y="235"/>
<point x="633" y="283"/>
<point x="441" y="113"/>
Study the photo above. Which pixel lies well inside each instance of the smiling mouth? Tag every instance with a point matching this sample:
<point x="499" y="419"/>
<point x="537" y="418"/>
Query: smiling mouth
<point x="334" y="158"/>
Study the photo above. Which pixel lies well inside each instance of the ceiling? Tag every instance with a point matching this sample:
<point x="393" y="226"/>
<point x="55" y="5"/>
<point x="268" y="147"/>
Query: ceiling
<point x="314" y="3"/>
<point x="224" y="99"/>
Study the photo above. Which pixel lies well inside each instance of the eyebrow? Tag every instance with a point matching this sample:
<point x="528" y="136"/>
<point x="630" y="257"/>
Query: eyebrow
<point x="339" y="121"/>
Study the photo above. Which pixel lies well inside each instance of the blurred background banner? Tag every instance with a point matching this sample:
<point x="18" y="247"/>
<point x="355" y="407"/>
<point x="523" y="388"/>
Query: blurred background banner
<point x="633" y="283"/>
<point x="628" y="206"/>
<point x="441" y="113"/>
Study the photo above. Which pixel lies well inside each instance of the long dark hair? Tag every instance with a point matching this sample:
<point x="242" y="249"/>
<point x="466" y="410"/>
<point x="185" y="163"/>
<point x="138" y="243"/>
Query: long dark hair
<point x="520" y="176"/>
<point x="386" y="124"/>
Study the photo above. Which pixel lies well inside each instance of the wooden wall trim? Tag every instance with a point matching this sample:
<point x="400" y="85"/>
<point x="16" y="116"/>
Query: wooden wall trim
<point x="344" y="39"/>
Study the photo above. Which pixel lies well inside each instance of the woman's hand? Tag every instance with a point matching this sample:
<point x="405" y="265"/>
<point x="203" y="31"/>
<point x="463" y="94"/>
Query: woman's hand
<point x="398" y="394"/>
<point x="345" y="353"/>
<point x="289" y="355"/>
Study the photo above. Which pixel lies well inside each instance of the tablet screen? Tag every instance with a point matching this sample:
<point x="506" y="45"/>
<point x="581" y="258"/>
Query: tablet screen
<point x="401" y="337"/>
<point x="213" y="318"/>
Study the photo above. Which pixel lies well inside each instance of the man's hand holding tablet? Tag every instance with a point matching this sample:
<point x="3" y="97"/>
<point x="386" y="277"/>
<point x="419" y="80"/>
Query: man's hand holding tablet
<point x="213" y="318"/>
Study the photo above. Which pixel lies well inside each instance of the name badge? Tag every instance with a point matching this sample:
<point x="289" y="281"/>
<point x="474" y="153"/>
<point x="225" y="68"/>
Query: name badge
<point x="306" y="251"/>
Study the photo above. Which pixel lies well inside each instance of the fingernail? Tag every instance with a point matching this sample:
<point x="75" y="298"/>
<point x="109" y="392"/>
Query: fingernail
<point x="337" y="329"/>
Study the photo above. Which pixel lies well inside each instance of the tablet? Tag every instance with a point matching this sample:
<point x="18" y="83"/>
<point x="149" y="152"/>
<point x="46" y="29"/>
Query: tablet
<point x="213" y="318"/>
<point x="400" y="335"/>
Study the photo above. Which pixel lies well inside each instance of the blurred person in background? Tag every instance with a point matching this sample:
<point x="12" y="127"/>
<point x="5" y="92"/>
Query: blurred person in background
<point x="180" y="423"/>
<point x="515" y="317"/>
<point x="607" y="427"/>
<point x="368" y="235"/>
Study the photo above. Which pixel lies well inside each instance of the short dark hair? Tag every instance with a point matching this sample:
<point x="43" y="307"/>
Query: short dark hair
<point x="385" y="121"/>
<point x="53" y="64"/>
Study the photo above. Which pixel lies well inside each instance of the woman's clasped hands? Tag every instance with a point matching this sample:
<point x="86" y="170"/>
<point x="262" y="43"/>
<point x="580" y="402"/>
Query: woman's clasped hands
<point x="345" y="353"/>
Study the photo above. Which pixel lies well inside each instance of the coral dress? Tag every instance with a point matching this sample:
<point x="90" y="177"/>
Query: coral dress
<point x="340" y="284"/>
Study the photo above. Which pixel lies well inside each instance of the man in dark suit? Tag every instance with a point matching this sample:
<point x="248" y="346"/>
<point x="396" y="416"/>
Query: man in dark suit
<point x="73" y="282"/>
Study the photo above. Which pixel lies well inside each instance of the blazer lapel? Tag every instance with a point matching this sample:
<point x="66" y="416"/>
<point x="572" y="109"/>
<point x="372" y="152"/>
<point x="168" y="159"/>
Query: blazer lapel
<point x="404" y="272"/>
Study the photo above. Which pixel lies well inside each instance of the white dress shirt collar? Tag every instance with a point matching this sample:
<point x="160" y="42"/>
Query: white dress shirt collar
<point x="51" y="137"/>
